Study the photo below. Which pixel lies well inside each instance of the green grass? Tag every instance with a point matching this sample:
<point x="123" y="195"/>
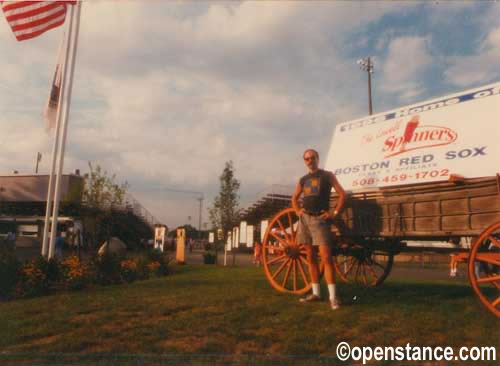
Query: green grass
<point x="215" y="310"/>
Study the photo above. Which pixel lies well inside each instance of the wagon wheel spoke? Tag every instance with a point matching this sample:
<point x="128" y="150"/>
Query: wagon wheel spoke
<point x="364" y="275"/>
<point x="350" y="266"/>
<point x="379" y="265"/>
<point x="488" y="279"/>
<point x="280" y="268"/>
<point x="489" y="258"/>
<point x="294" y="275"/>
<point x="277" y="259"/>
<point x="346" y="259"/>
<point x="303" y="260"/>
<point x="291" y="226"/>
<point x="375" y="277"/>
<point x="494" y="240"/>
<point x="496" y="302"/>
<point x="339" y="272"/>
<point x="357" y="274"/>
<point x="287" y="273"/>
<point x="281" y="240"/>
<point x="282" y="228"/>
<point x="302" y="272"/>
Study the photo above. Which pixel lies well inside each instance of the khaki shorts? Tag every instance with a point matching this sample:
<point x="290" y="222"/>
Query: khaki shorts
<point x="313" y="230"/>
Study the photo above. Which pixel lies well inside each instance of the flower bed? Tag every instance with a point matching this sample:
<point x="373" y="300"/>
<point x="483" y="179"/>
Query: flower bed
<point x="41" y="276"/>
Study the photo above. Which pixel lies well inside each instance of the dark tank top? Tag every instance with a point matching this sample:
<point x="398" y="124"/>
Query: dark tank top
<point x="316" y="188"/>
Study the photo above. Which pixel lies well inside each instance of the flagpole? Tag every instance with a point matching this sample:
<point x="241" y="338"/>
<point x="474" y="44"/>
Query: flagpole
<point x="55" y="148"/>
<point x="57" y="194"/>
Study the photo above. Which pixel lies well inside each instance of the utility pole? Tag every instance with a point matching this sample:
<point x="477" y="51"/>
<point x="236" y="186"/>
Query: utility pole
<point x="366" y="64"/>
<point x="199" y="218"/>
<point x="38" y="159"/>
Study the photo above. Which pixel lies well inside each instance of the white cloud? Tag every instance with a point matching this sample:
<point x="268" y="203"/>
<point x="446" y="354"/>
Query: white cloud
<point x="165" y="93"/>
<point x="406" y="59"/>
<point x="480" y="67"/>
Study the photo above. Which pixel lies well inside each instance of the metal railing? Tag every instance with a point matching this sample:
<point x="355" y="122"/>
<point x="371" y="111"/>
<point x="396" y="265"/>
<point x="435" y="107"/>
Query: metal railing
<point x="133" y="205"/>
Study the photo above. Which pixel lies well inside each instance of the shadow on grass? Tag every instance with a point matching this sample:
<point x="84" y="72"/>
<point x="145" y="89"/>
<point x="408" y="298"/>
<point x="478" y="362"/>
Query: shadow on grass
<point x="190" y="360"/>
<point x="405" y="293"/>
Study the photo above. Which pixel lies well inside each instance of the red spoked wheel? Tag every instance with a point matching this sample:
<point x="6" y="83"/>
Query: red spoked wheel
<point x="365" y="266"/>
<point x="484" y="268"/>
<point x="285" y="261"/>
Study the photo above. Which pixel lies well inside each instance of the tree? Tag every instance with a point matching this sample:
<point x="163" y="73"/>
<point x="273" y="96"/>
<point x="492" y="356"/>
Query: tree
<point x="224" y="212"/>
<point x="101" y="197"/>
<point x="101" y="191"/>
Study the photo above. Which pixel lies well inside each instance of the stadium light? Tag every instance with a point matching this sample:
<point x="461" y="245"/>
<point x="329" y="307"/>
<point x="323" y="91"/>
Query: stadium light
<point x="366" y="64"/>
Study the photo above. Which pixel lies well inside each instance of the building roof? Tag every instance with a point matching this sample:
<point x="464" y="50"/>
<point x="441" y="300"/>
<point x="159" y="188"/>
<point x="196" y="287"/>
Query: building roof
<point x="19" y="188"/>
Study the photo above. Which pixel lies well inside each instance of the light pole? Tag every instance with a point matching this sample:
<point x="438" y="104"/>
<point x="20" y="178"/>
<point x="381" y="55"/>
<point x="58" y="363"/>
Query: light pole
<point x="366" y="64"/>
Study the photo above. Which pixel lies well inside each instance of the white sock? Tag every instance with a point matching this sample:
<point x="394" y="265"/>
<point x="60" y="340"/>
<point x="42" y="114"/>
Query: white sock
<point x="331" y="290"/>
<point x="316" y="290"/>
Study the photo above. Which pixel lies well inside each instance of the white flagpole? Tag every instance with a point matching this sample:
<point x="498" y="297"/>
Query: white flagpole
<point x="67" y="104"/>
<point x="55" y="149"/>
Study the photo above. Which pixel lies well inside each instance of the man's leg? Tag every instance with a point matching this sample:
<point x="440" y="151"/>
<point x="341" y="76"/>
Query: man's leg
<point x="326" y="258"/>
<point x="312" y="260"/>
<point x="304" y="238"/>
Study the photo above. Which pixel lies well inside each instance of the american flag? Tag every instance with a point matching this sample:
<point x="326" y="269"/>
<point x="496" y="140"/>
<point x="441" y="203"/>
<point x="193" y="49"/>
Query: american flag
<point x="29" y="19"/>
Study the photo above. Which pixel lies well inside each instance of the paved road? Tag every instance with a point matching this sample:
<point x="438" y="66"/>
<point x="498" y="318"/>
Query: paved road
<point x="418" y="271"/>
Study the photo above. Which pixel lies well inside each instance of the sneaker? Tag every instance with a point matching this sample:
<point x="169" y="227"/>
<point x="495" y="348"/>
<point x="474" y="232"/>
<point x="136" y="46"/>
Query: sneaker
<point x="310" y="298"/>
<point x="334" y="304"/>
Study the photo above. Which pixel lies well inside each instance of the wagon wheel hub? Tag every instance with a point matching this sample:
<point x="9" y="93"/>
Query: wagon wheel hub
<point x="292" y="251"/>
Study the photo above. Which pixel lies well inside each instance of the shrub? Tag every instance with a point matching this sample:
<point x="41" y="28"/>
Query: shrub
<point x="128" y="270"/>
<point x="106" y="268"/>
<point x="142" y="268"/>
<point x="51" y="268"/>
<point x="154" y="268"/>
<point x="208" y="258"/>
<point x="33" y="280"/>
<point x="75" y="274"/>
<point x="163" y="259"/>
<point x="9" y="269"/>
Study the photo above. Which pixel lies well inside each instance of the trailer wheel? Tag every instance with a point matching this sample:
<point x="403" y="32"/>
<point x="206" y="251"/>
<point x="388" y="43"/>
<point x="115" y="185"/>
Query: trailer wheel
<point x="361" y="265"/>
<point x="284" y="261"/>
<point x="484" y="268"/>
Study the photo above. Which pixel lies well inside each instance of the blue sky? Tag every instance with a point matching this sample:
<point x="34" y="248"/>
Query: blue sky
<point x="166" y="92"/>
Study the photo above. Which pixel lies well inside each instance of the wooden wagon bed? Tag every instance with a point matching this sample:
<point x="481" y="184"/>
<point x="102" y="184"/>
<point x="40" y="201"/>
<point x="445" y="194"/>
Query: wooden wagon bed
<point x="427" y="211"/>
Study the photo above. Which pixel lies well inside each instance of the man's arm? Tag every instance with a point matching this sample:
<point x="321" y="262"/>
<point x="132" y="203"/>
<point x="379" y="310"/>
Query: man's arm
<point x="340" y="191"/>
<point x="295" y="200"/>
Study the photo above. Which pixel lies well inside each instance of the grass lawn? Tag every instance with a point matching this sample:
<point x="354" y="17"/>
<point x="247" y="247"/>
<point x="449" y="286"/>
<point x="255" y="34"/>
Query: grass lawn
<point x="215" y="310"/>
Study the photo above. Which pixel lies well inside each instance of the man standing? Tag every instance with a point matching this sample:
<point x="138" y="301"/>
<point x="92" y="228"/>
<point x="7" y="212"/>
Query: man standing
<point x="314" y="227"/>
<point x="59" y="245"/>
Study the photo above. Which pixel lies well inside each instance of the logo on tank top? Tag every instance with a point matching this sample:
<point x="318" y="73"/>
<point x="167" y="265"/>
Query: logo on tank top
<point x="311" y="187"/>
